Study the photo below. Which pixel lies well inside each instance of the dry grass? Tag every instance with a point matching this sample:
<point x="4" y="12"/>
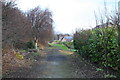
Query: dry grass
<point x="66" y="52"/>
<point x="41" y="46"/>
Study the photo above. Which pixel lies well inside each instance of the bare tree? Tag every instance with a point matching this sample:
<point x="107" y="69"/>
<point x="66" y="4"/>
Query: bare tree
<point x="16" y="26"/>
<point x="41" y="21"/>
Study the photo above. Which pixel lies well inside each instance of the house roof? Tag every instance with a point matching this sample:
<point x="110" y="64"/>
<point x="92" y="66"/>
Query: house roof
<point x="68" y="37"/>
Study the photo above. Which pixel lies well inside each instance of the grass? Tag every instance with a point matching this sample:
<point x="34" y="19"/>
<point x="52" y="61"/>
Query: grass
<point x="61" y="46"/>
<point x="73" y="50"/>
<point x="35" y="54"/>
<point x="23" y="51"/>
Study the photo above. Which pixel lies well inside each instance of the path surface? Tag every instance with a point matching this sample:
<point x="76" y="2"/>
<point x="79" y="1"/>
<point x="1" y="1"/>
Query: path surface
<point x="54" y="64"/>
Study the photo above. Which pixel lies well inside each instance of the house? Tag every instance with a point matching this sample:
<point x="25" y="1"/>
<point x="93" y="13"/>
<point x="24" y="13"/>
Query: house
<point x="104" y="25"/>
<point x="63" y="37"/>
<point x="67" y="38"/>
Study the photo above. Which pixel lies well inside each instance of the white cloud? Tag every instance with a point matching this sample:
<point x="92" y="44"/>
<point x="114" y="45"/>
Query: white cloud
<point x="69" y="14"/>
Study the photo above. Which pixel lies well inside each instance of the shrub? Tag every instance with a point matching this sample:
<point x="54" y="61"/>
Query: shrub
<point x="99" y="45"/>
<point x="81" y="41"/>
<point x="30" y="45"/>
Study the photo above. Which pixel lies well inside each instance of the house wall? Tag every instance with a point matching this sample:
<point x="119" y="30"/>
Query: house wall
<point x="119" y="7"/>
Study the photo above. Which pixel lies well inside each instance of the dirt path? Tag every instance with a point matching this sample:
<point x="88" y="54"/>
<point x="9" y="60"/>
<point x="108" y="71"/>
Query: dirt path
<point x="54" y="64"/>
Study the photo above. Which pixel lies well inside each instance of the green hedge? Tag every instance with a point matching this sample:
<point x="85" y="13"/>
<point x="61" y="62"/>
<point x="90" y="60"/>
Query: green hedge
<point x="99" y="45"/>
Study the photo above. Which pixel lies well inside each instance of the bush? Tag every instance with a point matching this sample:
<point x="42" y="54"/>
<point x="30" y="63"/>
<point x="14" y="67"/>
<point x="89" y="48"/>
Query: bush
<point x="81" y="41"/>
<point x="99" y="45"/>
<point x="30" y="45"/>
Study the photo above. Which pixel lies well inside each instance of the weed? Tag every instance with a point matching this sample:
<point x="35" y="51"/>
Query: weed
<point x="110" y="76"/>
<point x="99" y="70"/>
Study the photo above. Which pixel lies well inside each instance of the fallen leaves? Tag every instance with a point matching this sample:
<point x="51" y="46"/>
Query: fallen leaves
<point x="12" y="60"/>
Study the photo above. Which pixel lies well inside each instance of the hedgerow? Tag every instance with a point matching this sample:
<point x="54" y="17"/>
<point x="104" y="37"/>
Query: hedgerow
<point x="99" y="45"/>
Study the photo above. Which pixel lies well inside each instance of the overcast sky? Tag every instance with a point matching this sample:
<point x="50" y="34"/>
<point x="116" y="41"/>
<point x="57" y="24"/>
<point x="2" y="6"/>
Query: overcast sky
<point x="69" y="15"/>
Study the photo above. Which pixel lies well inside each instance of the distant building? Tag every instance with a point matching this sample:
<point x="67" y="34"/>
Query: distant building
<point x="119" y="7"/>
<point x="104" y="25"/>
<point x="63" y="37"/>
<point x="67" y="38"/>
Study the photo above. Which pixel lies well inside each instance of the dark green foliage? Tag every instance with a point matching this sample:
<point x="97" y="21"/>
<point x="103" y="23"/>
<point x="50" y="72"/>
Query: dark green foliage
<point x="81" y="41"/>
<point x="99" y="45"/>
<point x="30" y="45"/>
